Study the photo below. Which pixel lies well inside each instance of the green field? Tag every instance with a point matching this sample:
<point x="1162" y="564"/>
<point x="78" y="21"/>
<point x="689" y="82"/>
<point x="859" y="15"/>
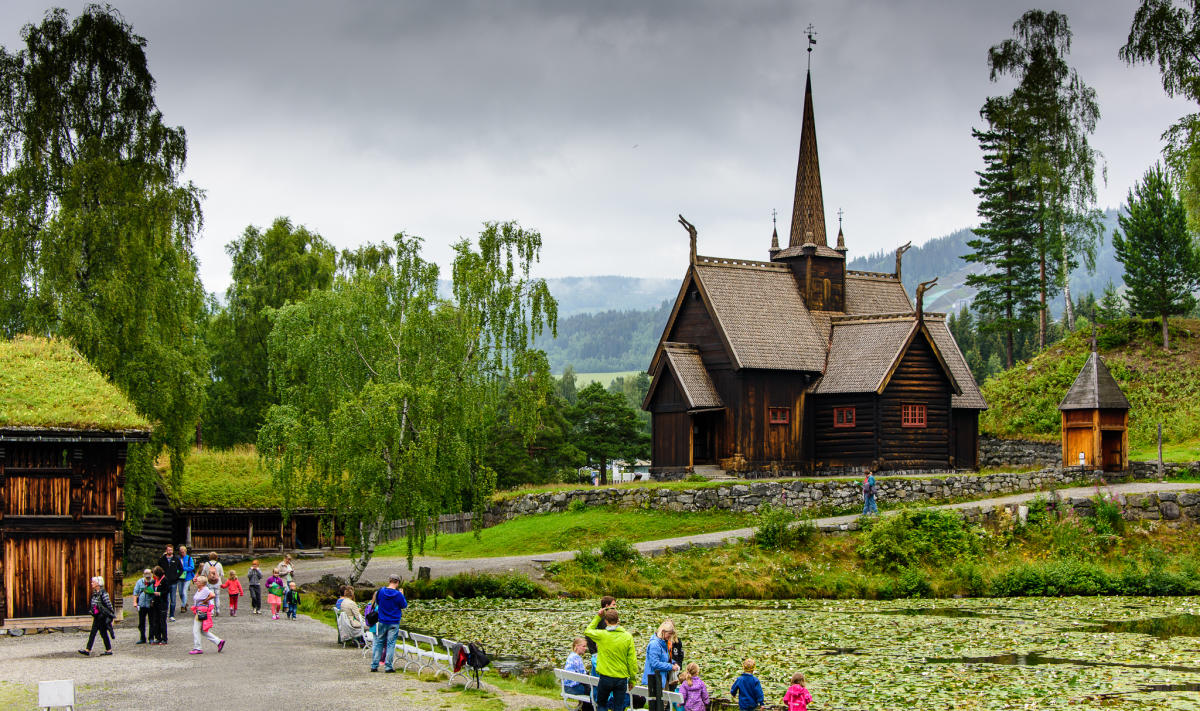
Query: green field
<point x="572" y="530"/>
<point x="584" y="379"/>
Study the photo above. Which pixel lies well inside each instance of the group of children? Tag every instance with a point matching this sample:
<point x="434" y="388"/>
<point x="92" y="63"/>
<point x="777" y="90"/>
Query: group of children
<point x="746" y="689"/>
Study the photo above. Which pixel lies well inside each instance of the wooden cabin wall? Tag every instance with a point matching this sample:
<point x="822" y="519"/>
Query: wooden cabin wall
<point x="62" y="517"/>
<point x="844" y="446"/>
<point x="672" y="440"/>
<point x="965" y="438"/>
<point x="810" y="274"/>
<point x="158" y="529"/>
<point x="918" y="379"/>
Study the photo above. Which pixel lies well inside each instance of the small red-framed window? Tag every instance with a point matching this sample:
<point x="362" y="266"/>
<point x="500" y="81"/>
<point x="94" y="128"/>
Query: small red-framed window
<point x="912" y="416"/>
<point x="843" y="417"/>
<point x="779" y="415"/>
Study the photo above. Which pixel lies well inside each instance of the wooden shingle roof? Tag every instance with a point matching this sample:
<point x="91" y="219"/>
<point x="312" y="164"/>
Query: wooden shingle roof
<point x="874" y="293"/>
<point x="819" y="250"/>
<point x="1094" y="388"/>
<point x="692" y="376"/>
<point x="970" y="398"/>
<point x="761" y="314"/>
<point x="808" y="206"/>
<point x="862" y="351"/>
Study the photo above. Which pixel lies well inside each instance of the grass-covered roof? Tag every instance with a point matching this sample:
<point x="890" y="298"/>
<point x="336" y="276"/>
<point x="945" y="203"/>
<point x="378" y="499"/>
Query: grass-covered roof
<point x="45" y="383"/>
<point x="224" y="479"/>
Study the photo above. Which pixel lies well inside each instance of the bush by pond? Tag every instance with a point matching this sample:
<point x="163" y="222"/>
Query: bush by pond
<point x="467" y="585"/>
<point x="930" y="537"/>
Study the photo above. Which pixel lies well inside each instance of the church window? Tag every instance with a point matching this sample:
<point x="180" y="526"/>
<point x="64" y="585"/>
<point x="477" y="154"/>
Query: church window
<point x="779" y="415"/>
<point x="912" y="416"/>
<point x="843" y="417"/>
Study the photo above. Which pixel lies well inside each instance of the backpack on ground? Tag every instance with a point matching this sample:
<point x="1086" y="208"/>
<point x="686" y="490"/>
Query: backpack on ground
<point x="477" y="659"/>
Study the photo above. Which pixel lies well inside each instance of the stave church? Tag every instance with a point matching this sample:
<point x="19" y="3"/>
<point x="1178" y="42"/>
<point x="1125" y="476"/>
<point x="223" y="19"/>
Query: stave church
<point x="797" y="364"/>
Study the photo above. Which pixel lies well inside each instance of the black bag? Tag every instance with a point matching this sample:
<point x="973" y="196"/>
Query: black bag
<point x="372" y="615"/>
<point x="477" y="656"/>
<point x="202" y="616"/>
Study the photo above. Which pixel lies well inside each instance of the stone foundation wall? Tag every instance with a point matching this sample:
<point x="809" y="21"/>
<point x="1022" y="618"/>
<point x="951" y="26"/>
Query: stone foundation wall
<point x="996" y="452"/>
<point x="801" y="495"/>
<point x="1172" y="508"/>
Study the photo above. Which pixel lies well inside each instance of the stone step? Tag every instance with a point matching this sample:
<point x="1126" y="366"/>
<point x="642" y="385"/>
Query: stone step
<point x="713" y="473"/>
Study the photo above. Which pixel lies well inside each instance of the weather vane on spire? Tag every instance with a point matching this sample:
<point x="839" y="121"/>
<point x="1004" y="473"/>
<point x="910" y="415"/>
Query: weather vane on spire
<point x="812" y="39"/>
<point x="839" y="219"/>
<point x="773" y="218"/>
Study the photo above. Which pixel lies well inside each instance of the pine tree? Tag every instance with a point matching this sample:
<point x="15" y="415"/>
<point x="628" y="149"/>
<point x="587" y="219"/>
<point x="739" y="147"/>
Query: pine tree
<point x="1008" y="283"/>
<point x="1162" y="263"/>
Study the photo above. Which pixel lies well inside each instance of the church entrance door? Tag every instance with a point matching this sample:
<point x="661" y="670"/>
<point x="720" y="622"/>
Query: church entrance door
<point x="706" y="436"/>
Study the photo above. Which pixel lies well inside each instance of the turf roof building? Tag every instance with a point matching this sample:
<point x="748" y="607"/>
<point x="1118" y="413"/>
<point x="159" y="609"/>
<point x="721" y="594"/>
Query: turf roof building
<point x="64" y="432"/>
<point x="800" y="364"/>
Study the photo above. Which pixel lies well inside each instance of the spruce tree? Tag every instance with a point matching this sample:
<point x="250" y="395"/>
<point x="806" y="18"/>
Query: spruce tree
<point x="1162" y="263"/>
<point x="1008" y="284"/>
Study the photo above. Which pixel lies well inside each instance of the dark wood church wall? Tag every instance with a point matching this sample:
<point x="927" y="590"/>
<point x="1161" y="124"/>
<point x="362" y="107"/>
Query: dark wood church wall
<point x="846" y="445"/>
<point x="670" y="426"/>
<point x="752" y="395"/>
<point x="694" y="325"/>
<point x="918" y="380"/>
<point x="966" y="438"/>
<point x="811" y="275"/>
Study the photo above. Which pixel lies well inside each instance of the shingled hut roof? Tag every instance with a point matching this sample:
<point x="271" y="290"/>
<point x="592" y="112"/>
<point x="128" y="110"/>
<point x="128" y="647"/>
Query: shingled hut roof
<point x="692" y="377"/>
<point x="1094" y="388"/>
<point x="868" y="348"/>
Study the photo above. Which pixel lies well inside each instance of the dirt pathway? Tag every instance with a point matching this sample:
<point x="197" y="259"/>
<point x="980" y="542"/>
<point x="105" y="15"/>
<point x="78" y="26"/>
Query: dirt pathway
<point x="379" y="568"/>
<point x="265" y="664"/>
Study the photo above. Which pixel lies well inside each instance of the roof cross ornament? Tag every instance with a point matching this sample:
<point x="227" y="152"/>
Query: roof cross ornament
<point x="812" y="40"/>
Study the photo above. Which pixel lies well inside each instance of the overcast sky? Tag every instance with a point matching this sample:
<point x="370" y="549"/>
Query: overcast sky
<point x="597" y="122"/>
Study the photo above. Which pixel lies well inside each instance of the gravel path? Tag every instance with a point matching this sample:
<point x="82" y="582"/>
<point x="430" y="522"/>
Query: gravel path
<point x="266" y="664"/>
<point x="380" y="567"/>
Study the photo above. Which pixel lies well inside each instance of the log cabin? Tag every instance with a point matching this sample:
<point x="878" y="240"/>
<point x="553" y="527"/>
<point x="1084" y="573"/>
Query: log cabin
<point x="798" y="364"/>
<point x="64" y="435"/>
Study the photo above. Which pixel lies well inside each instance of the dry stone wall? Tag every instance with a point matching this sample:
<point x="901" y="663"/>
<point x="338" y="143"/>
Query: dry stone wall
<point x="808" y="495"/>
<point x="996" y="452"/>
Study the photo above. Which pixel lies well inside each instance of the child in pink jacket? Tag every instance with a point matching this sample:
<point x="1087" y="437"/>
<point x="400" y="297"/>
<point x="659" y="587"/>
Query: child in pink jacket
<point x="695" y="693"/>
<point x="797" y="697"/>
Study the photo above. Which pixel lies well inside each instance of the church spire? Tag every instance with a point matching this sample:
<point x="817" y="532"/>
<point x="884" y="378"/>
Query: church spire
<point x="808" y="210"/>
<point x="774" y="234"/>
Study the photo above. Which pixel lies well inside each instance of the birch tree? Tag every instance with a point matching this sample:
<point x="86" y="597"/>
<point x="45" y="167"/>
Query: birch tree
<point x="386" y="391"/>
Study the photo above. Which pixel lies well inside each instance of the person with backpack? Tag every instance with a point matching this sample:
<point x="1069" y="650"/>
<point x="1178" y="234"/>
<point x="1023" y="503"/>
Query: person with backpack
<point x="140" y="594"/>
<point x="390" y="604"/>
<point x="213" y="572"/>
<point x="869" y="491"/>
<point x="100" y="605"/>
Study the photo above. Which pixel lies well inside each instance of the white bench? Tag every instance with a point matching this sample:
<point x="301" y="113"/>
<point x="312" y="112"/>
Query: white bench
<point x="431" y="654"/>
<point x="409" y="652"/>
<point x="673" y="697"/>
<point x="570" y="700"/>
<point x="449" y="645"/>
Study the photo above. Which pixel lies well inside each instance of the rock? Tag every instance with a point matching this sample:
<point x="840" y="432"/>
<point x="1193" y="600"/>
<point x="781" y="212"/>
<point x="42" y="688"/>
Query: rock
<point x="1170" y="510"/>
<point x="1188" y="499"/>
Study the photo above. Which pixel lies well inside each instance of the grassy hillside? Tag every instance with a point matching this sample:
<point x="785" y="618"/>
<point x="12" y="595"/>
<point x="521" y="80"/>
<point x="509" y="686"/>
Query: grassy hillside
<point x="1161" y="387"/>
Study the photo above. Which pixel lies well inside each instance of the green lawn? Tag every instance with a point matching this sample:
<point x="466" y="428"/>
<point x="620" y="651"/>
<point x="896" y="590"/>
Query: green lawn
<point x="582" y="380"/>
<point x="1187" y="451"/>
<point x="545" y="533"/>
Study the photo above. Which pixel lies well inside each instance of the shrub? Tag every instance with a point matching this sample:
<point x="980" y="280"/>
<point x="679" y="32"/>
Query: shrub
<point x="618" y="550"/>
<point x="968" y="578"/>
<point x="917" y="537"/>
<point x="912" y="583"/>
<point x="464" y="585"/>
<point x="588" y="560"/>
<point x="696" y="478"/>
<point x="577" y="505"/>
<point x="1106" y="518"/>
<point x="779" y="529"/>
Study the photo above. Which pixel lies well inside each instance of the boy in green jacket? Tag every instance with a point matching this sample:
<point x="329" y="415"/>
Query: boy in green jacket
<point x="616" y="661"/>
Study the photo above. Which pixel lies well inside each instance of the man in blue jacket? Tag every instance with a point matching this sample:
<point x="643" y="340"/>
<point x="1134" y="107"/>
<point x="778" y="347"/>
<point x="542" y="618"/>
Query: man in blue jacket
<point x="747" y="689"/>
<point x="390" y="603"/>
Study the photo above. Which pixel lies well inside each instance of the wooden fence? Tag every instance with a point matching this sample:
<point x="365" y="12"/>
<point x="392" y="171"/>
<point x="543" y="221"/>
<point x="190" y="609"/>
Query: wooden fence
<point x="446" y="523"/>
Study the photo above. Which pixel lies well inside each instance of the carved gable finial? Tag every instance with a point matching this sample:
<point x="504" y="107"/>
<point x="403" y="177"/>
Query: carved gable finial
<point x="691" y="229"/>
<point x="899" y="254"/>
<point x="921" y="289"/>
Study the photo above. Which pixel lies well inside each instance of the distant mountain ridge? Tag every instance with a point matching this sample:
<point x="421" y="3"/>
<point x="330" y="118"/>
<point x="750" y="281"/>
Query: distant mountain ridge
<point x="612" y="323"/>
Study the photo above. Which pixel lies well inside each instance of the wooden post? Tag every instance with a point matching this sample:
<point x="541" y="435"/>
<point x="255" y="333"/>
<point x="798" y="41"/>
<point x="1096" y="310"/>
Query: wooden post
<point x="1096" y="457"/>
<point x="189" y="533"/>
<point x="1160" y="461"/>
<point x="250" y="534"/>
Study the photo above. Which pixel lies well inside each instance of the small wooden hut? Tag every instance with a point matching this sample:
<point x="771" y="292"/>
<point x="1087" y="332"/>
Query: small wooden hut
<point x="1095" y="419"/>
<point x="64" y="431"/>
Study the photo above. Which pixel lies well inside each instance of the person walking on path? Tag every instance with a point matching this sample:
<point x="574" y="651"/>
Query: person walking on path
<point x="389" y="604"/>
<point x="233" y="588"/>
<point x="658" y="656"/>
<point x="275" y="592"/>
<point x="616" y="662"/>
<point x="158" y="606"/>
<point x="213" y="572"/>
<point x="202" y="622"/>
<point x="254" y="583"/>
<point x="140" y="594"/>
<point x="172" y="573"/>
<point x="189" y="571"/>
<point x="869" y="491"/>
<point x="286" y="569"/>
<point x="103" y="613"/>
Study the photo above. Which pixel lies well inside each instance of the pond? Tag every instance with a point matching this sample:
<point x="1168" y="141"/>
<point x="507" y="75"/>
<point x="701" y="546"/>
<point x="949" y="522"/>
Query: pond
<point x="1024" y="653"/>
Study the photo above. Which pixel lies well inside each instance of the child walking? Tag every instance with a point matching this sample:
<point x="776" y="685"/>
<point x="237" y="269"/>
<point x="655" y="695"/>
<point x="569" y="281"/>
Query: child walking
<point x="797" y="697"/>
<point x="691" y="686"/>
<point x="293" y="600"/>
<point x="275" y="593"/>
<point x="747" y="689"/>
<point x="234" y="588"/>
<point x="254" y="581"/>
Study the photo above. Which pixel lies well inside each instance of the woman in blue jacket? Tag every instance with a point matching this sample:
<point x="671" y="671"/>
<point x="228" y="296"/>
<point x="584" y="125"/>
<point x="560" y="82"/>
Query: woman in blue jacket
<point x="658" y="655"/>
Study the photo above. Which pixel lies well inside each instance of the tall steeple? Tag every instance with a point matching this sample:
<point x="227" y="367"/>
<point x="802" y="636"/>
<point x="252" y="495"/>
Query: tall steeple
<point x="808" y="210"/>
